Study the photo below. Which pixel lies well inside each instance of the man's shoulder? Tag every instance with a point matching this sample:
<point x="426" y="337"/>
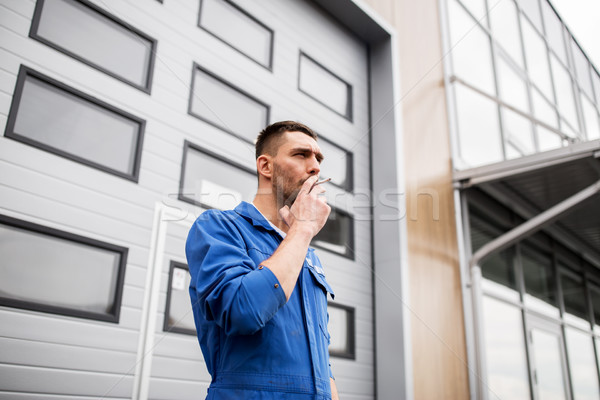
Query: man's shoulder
<point x="215" y="217"/>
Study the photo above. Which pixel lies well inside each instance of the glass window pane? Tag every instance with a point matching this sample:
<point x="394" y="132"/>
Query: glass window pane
<point x="548" y="365"/>
<point x="61" y="275"/>
<point x="76" y="127"/>
<point x="537" y="60"/>
<point x="597" y="340"/>
<point x="564" y="92"/>
<point x="512" y="87"/>
<point x="592" y="125"/>
<point x="582" y="363"/>
<point x="478" y="9"/>
<point x="531" y="8"/>
<point x="238" y="29"/>
<point x="499" y="274"/>
<point x="178" y="310"/>
<point x="554" y="31"/>
<point x="518" y="134"/>
<point x="86" y="33"/>
<point x="543" y="110"/>
<point x="574" y="300"/>
<point x="341" y="330"/>
<point x="582" y="69"/>
<point x="505" y="351"/>
<point x="540" y="282"/>
<point x="565" y="128"/>
<point x="596" y="81"/>
<point x="478" y="128"/>
<point x="324" y="86"/>
<point x="470" y="48"/>
<point x="337" y="164"/>
<point x="337" y="235"/>
<point x="505" y="28"/>
<point x="548" y="140"/>
<point x="211" y="181"/>
<point x="595" y="297"/>
<point x="498" y="270"/>
<point x="216" y="102"/>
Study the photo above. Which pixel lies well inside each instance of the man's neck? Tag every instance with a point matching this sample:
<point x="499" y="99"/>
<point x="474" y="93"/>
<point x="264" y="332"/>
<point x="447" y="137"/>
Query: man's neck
<point x="267" y="205"/>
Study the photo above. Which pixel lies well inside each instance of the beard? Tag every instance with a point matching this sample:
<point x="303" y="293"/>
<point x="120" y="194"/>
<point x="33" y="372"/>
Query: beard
<point x="285" y="187"/>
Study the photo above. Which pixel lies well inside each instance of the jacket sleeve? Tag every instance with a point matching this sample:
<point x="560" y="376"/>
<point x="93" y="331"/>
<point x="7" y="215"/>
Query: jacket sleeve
<point x="230" y="288"/>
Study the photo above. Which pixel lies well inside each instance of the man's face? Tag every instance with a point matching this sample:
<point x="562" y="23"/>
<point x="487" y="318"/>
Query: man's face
<point x="298" y="158"/>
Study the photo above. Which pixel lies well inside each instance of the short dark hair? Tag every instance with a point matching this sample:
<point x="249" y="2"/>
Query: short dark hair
<point x="267" y="141"/>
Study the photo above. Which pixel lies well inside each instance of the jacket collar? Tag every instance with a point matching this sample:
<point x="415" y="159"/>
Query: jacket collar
<point x="252" y="214"/>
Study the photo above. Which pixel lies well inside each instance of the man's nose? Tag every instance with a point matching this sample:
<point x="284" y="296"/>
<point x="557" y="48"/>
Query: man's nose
<point x="314" y="167"/>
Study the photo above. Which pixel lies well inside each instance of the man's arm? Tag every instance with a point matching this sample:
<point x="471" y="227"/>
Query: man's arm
<point x="334" y="392"/>
<point x="226" y="287"/>
<point x="305" y="219"/>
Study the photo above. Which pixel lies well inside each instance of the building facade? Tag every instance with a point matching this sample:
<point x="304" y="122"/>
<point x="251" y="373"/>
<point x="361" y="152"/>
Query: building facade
<point x="462" y="138"/>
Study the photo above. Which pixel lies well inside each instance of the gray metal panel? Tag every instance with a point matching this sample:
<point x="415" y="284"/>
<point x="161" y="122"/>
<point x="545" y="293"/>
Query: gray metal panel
<point x="43" y="396"/>
<point x="56" y="192"/>
<point x="331" y="44"/>
<point x="24" y="378"/>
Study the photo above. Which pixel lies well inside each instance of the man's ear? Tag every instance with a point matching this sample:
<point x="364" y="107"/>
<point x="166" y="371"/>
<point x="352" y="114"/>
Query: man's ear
<point x="264" y="166"/>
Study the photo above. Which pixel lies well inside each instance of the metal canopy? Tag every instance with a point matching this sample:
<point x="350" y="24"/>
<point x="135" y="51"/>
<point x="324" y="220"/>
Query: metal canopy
<point x="533" y="185"/>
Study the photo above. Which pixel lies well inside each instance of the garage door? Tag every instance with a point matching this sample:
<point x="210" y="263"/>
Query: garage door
<point x="111" y="150"/>
<point x="284" y="60"/>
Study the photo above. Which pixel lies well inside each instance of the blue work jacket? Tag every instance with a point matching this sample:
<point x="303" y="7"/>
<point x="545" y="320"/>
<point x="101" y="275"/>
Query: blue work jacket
<point x="255" y="344"/>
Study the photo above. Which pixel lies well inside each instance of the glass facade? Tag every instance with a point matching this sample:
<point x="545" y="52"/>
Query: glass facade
<point x="521" y="83"/>
<point x="541" y="307"/>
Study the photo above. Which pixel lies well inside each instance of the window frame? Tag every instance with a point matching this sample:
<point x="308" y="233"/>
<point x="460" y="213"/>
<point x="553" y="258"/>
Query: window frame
<point x="197" y="66"/>
<point x="24" y="72"/>
<point x="187" y="145"/>
<point x="350" y="90"/>
<point x="113" y="316"/>
<point x="350" y="254"/>
<point x="349" y="165"/>
<point x="350" y="328"/>
<point x="94" y="8"/>
<point x="166" y="327"/>
<point x="251" y="17"/>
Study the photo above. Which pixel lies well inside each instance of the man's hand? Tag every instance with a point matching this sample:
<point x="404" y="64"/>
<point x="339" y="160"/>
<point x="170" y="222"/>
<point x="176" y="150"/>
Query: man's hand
<point x="309" y="211"/>
<point x="305" y="219"/>
<point x="334" y="392"/>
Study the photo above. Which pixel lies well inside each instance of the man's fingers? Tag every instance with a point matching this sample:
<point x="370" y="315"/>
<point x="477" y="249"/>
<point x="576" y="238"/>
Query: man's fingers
<point x="309" y="183"/>
<point x="318" y="190"/>
<point x="284" y="212"/>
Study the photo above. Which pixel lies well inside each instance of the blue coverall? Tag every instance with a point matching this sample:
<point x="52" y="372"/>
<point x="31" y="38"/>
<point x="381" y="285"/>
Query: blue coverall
<point x="255" y="344"/>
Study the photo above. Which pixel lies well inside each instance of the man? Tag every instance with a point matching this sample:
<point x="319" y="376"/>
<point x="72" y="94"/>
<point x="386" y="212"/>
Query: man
<point x="258" y="292"/>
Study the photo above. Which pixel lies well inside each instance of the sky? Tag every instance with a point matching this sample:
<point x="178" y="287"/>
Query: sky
<point x="583" y="19"/>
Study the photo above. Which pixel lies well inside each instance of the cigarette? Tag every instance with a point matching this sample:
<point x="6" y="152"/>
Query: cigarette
<point x="323" y="181"/>
<point x="319" y="182"/>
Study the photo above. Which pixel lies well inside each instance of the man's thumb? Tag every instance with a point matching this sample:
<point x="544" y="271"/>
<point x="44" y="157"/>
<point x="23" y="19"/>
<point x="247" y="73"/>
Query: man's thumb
<point x="285" y="213"/>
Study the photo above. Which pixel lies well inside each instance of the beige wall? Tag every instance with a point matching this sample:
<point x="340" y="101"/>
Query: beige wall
<point x="438" y="339"/>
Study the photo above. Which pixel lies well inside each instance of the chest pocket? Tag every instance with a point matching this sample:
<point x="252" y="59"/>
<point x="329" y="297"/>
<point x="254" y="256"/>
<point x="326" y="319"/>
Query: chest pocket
<point x="320" y="291"/>
<point x="320" y="278"/>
